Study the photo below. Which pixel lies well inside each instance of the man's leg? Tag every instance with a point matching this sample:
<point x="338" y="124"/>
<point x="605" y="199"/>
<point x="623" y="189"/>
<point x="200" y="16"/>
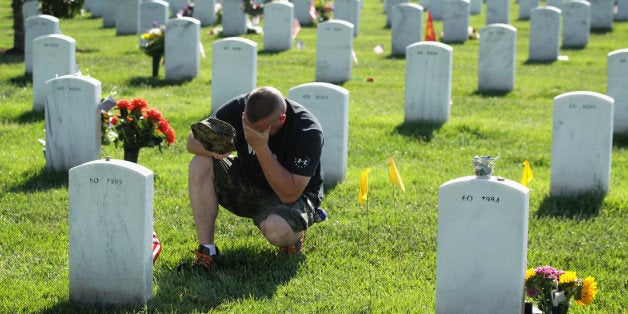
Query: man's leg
<point x="278" y="232"/>
<point x="203" y="198"/>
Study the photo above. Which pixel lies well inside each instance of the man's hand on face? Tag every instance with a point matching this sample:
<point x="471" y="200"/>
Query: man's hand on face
<point x="256" y="139"/>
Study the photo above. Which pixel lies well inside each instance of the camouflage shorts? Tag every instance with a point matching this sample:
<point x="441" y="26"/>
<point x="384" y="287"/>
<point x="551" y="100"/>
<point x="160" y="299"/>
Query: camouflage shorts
<point x="240" y="196"/>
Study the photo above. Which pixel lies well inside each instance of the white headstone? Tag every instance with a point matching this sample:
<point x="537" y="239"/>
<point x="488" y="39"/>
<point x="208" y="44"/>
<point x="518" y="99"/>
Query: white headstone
<point x="582" y="138"/>
<point x="234" y="69"/>
<point x="436" y="9"/>
<point x="544" y="34"/>
<point x="334" y="51"/>
<point x="153" y="13"/>
<point x="617" y="88"/>
<point x="555" y="3"/>
<point x="602" y="14"/>
<point x="35" y="26"/>
<point x="87" y="5"/>
<point x="182" y="53"/>
<point x="205" y="11"/>
<point x="278" y="26"/>
<point x="428" y="82"/>
<point x="110" y="253"/>
<point x="53" y="55"/>
<point x="407" y="25"/>
<point x="109" y="13"/>
<point x="576" y="23"/>
<point x="524" y="8"/>
<point x="348" y="10"/>
<point x="127" y="17"/>
<point x="622" y="10"/>
<point x="475" y="7"/>
<point x="497" y="11"/>
<point x="96" y="8"/>
<point x="498" y="52"/>
<point x="30" y="8"/>
<point x="455" y="21"/>
<point x="389" y="11"/>
<point x="482" y="245"/>
<point x="72" y="121"/>
<point x="302" y="11"/>
<point x="330" y="104"/>
<point x="233" y="18"/>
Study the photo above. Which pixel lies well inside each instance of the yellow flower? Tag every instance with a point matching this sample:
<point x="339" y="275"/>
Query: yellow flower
<point x="567" y="277"/>
<point x="530" y="273"/>
<point x="587" y="291"/>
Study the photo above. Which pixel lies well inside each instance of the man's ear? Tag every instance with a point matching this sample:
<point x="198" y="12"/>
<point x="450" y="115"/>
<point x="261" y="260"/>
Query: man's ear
<point x="282" y="118"/>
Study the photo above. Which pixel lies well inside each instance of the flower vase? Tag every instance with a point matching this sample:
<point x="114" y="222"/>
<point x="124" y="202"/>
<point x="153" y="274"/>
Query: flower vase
<point x="156" y="62"/>
<point x="131" y="154"/>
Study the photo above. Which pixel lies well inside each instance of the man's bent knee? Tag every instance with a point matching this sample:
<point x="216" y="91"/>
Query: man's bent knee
<point x="277" y="231"/>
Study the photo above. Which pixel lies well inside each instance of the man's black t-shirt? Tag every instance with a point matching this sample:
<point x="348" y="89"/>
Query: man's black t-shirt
<point x="297" y="145"/>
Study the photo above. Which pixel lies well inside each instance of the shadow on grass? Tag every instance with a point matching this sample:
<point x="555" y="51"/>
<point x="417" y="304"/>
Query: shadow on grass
<point x="620" y="140"/>
<point x="11" y="56"/>
<point x="238" y="274"/>
<point x="34" y="181"/>
<point x="30" y="117"/>
<point x="492" y="93"/>
<point x="574" y="207"/>
<point x="539" y="62"/>
<point x="421" y="130"/>
<point x="21" y="80"/>
<point x="140" y="81"/>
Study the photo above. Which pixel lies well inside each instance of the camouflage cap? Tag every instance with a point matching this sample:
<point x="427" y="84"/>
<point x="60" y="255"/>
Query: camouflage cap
<point x="217" y="136"/>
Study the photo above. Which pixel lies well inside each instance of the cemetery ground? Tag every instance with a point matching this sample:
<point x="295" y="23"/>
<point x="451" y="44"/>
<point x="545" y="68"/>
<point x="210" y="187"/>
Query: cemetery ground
<point x="377" y="258"/>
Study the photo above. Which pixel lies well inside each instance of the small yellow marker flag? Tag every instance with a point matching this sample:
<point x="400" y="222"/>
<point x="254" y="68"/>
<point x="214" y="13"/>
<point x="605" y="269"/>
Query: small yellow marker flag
<point x="364" y="186"/>
<point x="395" y="178"/>
<point x="527" y="176"/>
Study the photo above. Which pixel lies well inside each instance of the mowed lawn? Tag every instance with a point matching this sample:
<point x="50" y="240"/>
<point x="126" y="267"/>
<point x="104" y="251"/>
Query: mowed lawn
<point x="376" y="258"/>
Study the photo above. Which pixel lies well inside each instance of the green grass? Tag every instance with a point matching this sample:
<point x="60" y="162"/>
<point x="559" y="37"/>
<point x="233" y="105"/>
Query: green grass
<point x="380" y="260"/>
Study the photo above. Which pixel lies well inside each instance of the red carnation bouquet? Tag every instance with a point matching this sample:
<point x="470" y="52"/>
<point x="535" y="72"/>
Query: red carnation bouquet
<point x="136" y="125"/>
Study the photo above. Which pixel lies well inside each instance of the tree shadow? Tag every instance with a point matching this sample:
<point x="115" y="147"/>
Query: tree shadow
<point x="620" y="140"/>
<point x="574" y="207"/>
<point x="421" y="130"/>
<point x="37" y="180"/>
<point x="241" y="273"/>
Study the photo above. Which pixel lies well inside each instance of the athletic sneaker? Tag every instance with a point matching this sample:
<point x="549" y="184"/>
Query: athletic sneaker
<point x="203" y="260"/>
<point x="295" y="249"/>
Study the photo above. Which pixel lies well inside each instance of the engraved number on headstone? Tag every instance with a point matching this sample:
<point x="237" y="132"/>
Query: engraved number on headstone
<point x="112" y="181"/>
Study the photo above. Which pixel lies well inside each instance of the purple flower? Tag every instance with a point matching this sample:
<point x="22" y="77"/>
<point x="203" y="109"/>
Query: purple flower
<point x="533" y="292"/>
<point x="549" y="272"/>
<point x="154" y="23"/>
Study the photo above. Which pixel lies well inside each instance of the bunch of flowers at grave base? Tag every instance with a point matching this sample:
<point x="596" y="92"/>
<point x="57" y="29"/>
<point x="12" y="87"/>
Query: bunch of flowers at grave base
<point x="551" y="288"/>
<point x="324" y="9"/>
<point x="136" y="125"/>
<point x="154" y="40"/>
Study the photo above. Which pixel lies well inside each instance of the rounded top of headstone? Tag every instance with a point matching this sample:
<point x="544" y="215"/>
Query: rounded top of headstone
<point x="483" y="166"/>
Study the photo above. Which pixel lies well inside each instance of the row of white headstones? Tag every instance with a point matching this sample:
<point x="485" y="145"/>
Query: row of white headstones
<point x="470" y="208"/>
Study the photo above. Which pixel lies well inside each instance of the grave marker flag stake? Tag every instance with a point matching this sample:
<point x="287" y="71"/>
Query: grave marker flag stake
<point x="527" y="176"/>
<point x="429" y="28"/>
